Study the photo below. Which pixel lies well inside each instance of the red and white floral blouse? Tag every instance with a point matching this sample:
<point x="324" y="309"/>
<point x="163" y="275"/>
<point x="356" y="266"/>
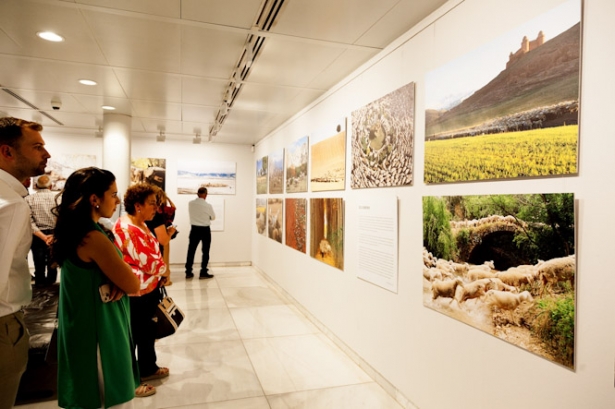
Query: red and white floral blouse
<point x="142" y="252"/>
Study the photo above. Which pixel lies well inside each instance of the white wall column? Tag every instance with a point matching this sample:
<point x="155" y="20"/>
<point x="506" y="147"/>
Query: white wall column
<point x="116" y="148"/>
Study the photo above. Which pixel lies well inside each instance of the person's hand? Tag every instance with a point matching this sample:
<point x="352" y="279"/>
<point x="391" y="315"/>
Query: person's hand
<point x="116" y="293"/>
<point x="49" y="239"/>
<point x="163" y="280"/>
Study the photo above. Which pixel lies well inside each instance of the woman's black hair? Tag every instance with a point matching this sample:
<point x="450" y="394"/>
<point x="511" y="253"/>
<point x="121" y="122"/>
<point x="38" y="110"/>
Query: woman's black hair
<point x="74" y="211"/>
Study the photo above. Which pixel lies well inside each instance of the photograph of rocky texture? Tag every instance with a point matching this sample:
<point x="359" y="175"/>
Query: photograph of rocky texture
<point x="327" y="231"/>
<point x="328" y="157"/>
<point x="383" y="141"/>
<point x="296" y="224"/>
<point x="509" y="109"/>
<point x="505" y="264"/>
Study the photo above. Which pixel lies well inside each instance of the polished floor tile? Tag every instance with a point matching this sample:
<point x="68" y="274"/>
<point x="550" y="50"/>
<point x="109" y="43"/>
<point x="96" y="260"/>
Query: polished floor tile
<point x="364" y="396"/>
<point x="242" y="346"/>
<point x="271" y="321"/>
<point x="301" y="362"/>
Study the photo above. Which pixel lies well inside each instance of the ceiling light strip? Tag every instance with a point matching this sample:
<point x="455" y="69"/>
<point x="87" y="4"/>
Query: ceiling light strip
<point x="31" y="105"/>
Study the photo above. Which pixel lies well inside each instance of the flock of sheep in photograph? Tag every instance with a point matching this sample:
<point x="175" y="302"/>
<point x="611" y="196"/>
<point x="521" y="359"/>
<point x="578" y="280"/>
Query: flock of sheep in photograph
<point x="463" y="286"/>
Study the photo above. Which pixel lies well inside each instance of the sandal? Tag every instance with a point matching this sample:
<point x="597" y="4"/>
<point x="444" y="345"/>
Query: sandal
<point x="162" y="372"/>
<point x="144" y="390"/>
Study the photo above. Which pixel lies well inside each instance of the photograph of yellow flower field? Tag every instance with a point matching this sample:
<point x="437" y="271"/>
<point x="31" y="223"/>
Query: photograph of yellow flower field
<point x="505" y="110"/>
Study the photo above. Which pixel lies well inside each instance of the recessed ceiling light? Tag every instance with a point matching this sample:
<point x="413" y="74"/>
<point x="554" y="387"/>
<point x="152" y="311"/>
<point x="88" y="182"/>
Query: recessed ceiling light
<point x="50" y="36"/>
<point x="87" y="82"/>
<point x="108" y="108"/>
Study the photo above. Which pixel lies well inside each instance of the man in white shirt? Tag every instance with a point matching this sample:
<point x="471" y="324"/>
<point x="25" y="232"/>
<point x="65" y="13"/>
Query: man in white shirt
<point x="201" y="214"/>
<point x="22" y="155"/>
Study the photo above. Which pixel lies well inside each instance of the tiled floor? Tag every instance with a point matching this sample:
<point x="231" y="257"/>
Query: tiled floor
<point x="243" y="347"/>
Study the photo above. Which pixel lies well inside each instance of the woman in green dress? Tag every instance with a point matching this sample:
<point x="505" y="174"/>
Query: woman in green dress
<point x="96" y="365"/>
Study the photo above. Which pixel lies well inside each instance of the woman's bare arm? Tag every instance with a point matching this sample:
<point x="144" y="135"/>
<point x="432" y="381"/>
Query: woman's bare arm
<point x="98" y="248"/>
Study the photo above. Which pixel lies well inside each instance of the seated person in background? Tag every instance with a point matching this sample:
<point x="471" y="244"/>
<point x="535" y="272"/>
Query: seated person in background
<point x="141" y="251"/>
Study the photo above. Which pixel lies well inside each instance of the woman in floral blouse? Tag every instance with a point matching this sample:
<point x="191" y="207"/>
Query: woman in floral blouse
<point x="141" y="251"/>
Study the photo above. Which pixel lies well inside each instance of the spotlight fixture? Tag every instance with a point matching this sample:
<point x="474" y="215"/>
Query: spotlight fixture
<point x="50" y="36"/>
<point x="160" y="137"/>
<point x="99" y="133"/>
<point x="197" y="139"/>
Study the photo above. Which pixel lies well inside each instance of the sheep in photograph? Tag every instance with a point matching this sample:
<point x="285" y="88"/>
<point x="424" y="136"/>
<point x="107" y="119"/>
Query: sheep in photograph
<point x="497" y="284"/>
<point x="432" y="273"/>
<point x="514" y="276"/>
<point x="428" y="259"/>
<point x="479" y="273"/>
<point x="558" y="269"/>
<point x="445" y="288"/>
<point x="475" y="289"/>
<point x="505" y="300"/>
<point x="460" y="269"/>
<point x="445" y="266"/>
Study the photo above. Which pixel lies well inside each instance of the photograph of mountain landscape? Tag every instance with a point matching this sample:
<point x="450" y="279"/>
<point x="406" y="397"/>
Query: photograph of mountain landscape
<point x="383" y="141"/>
<point x="217" y="176"/>
<point x="296" y="166"/>
<point x="509" y="109"/>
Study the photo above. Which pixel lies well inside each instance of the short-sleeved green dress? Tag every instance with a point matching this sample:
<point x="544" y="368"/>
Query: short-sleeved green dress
<point x="85" y="323"/>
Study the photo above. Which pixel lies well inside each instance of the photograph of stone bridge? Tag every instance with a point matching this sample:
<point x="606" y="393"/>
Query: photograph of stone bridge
<point x="505" y="264"/>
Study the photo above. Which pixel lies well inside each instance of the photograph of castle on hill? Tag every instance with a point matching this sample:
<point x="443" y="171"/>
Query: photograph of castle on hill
<point x="506" y="265"/>
<point x="505" y="111"/>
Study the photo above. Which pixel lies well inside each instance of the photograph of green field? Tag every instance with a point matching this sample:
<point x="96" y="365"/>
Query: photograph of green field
<point x="506" y="265"/>
<point x="506" y="111"/>
<point x="261" y="175"/>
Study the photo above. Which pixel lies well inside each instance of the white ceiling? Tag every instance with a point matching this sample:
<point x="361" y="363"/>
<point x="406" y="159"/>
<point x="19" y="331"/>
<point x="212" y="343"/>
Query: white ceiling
<point x="167" y="63"/>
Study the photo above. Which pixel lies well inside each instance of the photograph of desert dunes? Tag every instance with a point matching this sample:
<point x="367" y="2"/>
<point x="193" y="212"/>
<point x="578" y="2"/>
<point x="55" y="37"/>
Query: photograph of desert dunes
<point x="509" y="109"/>
<point x="505" y="264"/>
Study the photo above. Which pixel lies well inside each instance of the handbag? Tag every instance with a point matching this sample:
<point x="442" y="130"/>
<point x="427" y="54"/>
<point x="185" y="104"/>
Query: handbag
<point x="168" y="316"/>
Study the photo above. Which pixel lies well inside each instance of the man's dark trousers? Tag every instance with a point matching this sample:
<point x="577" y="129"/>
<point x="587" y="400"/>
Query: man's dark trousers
<point x="42" y="260"/>
<point x="198" y="234"/>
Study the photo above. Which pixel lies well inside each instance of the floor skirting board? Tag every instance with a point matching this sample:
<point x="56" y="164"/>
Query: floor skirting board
<point x="378" y="378"/>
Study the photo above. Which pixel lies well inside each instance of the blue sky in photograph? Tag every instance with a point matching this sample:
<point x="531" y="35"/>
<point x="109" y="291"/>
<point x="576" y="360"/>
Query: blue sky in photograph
<point x="457" y="80"/>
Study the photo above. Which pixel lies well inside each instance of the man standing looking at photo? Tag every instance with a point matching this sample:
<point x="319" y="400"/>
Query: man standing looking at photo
<point x="201" y="214"/>
<point x="22" y="155"/>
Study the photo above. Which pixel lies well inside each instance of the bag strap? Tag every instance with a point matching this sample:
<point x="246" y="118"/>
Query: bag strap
<point x="163" y="291"/>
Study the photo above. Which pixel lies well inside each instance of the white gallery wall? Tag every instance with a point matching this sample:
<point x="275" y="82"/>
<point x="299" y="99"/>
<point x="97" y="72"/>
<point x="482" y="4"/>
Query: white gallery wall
<point x="435" y="361"/>
<point x="233" y="244"/>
